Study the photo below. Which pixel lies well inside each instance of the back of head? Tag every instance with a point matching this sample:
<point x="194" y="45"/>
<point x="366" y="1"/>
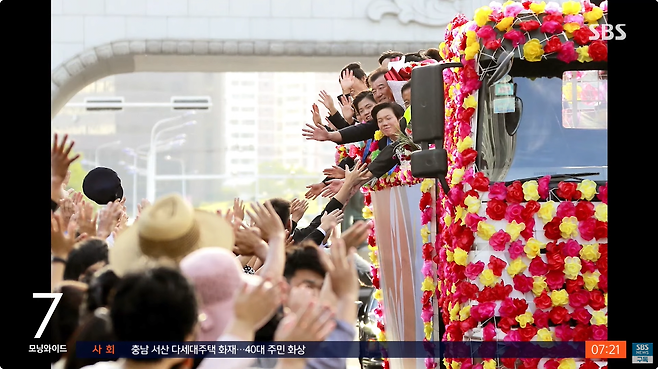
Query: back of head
<point x="390" y="54"/>
<point x="100" y="290"/>
<point x="216" y="276"/>
<point x="84" y="255"/>
<point x="413" y="57"/>
<point x="432" y="53"/>
<point x="157" y="304"/>
<point x="96" y="327"/>
<point x="282" y="208"/>
<point x="356" y="69"/>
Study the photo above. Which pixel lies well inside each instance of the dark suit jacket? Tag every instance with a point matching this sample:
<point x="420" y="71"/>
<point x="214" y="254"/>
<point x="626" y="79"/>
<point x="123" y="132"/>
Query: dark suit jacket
<point x="358" y="132"/>
<point x="311" y="232"/>
<point x="338" y="121"/>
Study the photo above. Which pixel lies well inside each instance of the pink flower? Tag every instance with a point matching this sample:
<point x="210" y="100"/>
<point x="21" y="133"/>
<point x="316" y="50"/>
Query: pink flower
<point x="427" y="315"/>
<point x="599" y="333"/>
<point x="427" y="269"/>
<point x="468" y="175"/>
<point x="473" y="270"/>
<point x="571" y="248"/>
<point x="507" y="308"/>
<point x="430" y="363"/>
<point x="566" y="209"/>
<point x="483" y="311"/>
<point x="512" y="10"/>
<point x="517" y="37"/>
<point x="564" y="332"/>
<point x="513" y="212"/>
<point x="567" y="54"/>
<point x="586" y="229"/>
<point x="516" y="249"/>
<point x="426" y="216"/>
<point x="489" y="332"/>
<point x="604" y="5"/>
<point x="587" y="266"/>
<point x="486" y="33"/>
<point x="512" y="336"/>
<point x="603" y="194"/>
<point x="578" y="18"/>
<point x="553" y="8"/>
<point x="543" y="184"/>
<point x="456" y="195"/>
<point x="555" y="279"/>
<point x="499" y="239"/>
<point x="551" y="27"/>
<point x="498" y="191"/>
<point x="472" y="221"/>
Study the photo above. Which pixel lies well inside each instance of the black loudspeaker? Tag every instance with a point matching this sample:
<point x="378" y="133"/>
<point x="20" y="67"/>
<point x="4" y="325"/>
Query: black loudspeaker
<point x="428" y="107"/>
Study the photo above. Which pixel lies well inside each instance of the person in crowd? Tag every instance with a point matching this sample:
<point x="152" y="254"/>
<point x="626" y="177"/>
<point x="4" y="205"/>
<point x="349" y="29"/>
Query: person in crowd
<point x="88" y="253"/>
<point x="388" y="56"/>
<point x="406" y="94"/>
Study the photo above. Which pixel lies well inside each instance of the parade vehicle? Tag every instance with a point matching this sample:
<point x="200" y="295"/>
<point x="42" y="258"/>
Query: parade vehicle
<point x="508" y="241"/>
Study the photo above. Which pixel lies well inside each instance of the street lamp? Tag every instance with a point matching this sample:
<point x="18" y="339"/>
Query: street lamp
<point x="150" y="184"/>
<point x="182" y="169"/>
<point x="96" y="161"/>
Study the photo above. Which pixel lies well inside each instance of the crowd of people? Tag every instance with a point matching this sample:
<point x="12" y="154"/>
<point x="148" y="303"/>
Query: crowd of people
<point x="252" y="273"/>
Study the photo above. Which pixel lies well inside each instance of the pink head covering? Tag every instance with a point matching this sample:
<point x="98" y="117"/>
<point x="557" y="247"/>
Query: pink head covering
<point x="216" y="275"/>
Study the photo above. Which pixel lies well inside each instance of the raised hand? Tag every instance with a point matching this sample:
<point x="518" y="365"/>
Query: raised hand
<point x="340" y="267"/>
<point x="315" y="111"/>
<point x="62" y="237"/>
<point x="267" y="220"/>
<point x="314" y="190"/>
<point x="347" y="81"/>
<point x="60" y="160"/>
<point x="66" y="209"/>
<point x="357" y="174"/>
<point x="330" y="220"/>
<point x="355" y="235"/>
<point x="255" y="305"/>
<point x="108" y="219"/>
<point x="141" y="206"/>
<point x="346" y="109"/>
<point x="328" y="102"/>
<point x="297" y="209"/>
<point x="316" y="132"/>
<point x="332" y="189"/>
<point x="334" y="172"/>
<point x="238" y="209"/>
<point x="86" y="219"/>
<point x="312" y="321"/>
<point x="249" y="243"/>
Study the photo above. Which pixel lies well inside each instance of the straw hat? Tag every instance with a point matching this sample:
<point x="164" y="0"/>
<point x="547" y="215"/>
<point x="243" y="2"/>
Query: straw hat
<point x="167" y="231"/>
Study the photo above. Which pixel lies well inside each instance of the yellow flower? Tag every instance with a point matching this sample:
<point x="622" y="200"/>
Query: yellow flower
<point x="470" y="102"/>
<point x="567" y="364"/>
<point x="453" y="365"/>
<point x="572" y="267"/>
<point x="547" y="211"/>
<point x="429" y="329"/>
<point x="570" y="28"/>
<point x="514" y="229"/>
<point x="488" y="278"/>
<point x="583" y="54"/>
<point x="533" y="51"/>
<point x="471" y="51"/>
<point x="591" y="280"/>
<point x="599" y="318"/>
<point x="530" y="190"/>
<point x="454" y="312"/>
<point x="457" y="176"/>
<point x="378" y="135"/>
<point x="524" y="319"/>
<point x="426" y="185"/>
<point x="533" y="248"/>
<point x="465" y="313"/>
<point x="516" y="266"/>
<point x="450" y="256"/>
<point x="588" y="189"/>
<point x="373" y="259"/>
<point x="571" y="8"/>
<point x="593" y="15"/>
<point x="560" y="297"/>
<point x="568" y="226"/>
<point x="601" y="213"/>
<point x="453" y="288"/>
<point x="538" y="8"/>
<point x="473" y="204"/>
<point x="460" y="213"/>
<point x="461" y="257"/>
<point x="366" y="212"/>
<point x="482" y="15"/>
<point x="425" y="233"/>
<point x="489" y="364"/>
<point x="485" y="231"/>
<point x="447" y="219"/>
<point x="464" y="144"/>
<point x="428" y="284"/>
<point x="605" y="298"/>
<point x="539" y="285"/>
<point x="378" y="295"/>
<point x="505" y="24"/>
<point x="590" y="252"/>
<point x="442" y="49"/>
<point x="471" y="38"/>
<point x="544" y="335"/>
<point x="381" y="336"/>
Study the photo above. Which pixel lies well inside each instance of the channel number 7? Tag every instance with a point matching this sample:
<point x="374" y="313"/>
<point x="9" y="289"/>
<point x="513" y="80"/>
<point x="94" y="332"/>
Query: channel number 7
<point x="44" y="323"/>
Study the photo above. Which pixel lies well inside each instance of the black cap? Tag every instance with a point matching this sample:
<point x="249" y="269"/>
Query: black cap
<point x="102" y="186"/>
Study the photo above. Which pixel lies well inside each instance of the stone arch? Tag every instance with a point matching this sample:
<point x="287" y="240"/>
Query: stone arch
<point x="130" y="56"/>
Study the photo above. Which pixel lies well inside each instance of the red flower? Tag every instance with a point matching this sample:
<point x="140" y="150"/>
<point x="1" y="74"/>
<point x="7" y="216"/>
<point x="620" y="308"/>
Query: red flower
<point x="496" y="209"/>
<point x="507" y="308"/>
<point x="425" y="200"/>
<point x="541" y="319"/>
<point x="480" y="181"/>
<point x="469" y="73"/>
<point x="506" y="323"/>
<point x="568" y="191"/>
<point x="543" y="301"/>
<point x="555" y="262"/>
<point x="587" y="266"/>
<point x="496" y="265"/>
<point x="516" y="37"/>
<point x="587" y="229"/>
<point x="589" y="364"/>
<point x="468" y="324"/>
<point x="529" y="25"/>
<point x="579" y="298"/>
<point x="538" y="267"/>
<point x="582" y="316"/>
<point x="582" y="35"/>
<point x="427" y="251"/>
<point x="529" y="363"/>
<point x="552" y="229"/>
<point x="553" y="18"/>
<point x="528" y="332"/>
<point x="598" y="51"/>
<point x="603" y="282"/>
<point x="564" y="332"/>
<point x="529" y="231"/>
<point x="551" y="364"/>
<point x="555" y="279"/>
<point x="574" y="285"/>
<point x="552" y="247"/>
<point x="603" y="194"/>
<point x="602" y="264"/>
<point x="483" y="311"/>
<point x="468" y="156"/>
<point x="520" y="305"/>
<point x="496" y="17"/>
<point x="581" y="332"/>
<point x="465" y="240"/>
<point x="565" y="209"/>
<point x="530" y="209"/>
<point x="515" y="193"/>
<point x="466" y="114"/>
<point x="559" y="315"/>
<point x="508" y="362"/>
<point x="553" y="45"/>
<point x="551" y="27"/>
<point x="596" y="300"/>
<point x="601" y="230"/>
<point x="599" y="333"/>
<point x="501" y="290"/>
<point x="473" y="270"/>
<point x="522" y="283"/>
<point x="486" y="295"/>
<point x="526" y="4"/>
<point x="499" y="239"/>
<point x="584" y="210"/>
<point x="427" y="297"/>
<point x="492" y="44"/>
